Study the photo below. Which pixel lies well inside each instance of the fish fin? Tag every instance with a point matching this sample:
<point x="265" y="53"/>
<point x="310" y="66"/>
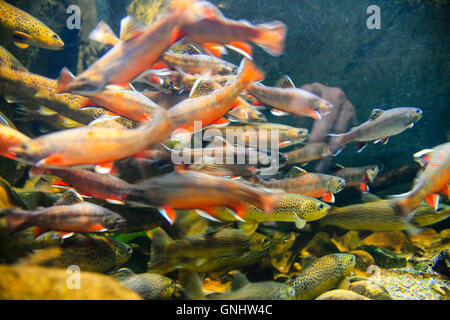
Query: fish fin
<point x="360" y="146"/>
<point x="257" y="103"/>
<point x="104" y="34"/>
<point x="65" y="78"/>
<point x="160" y="65"/>
<point x="55" y="159"/>
<point x="249" y="72"/>
<point x="375" y="113"/>
<point x="383" y="140"/>
<point x="204" y="214"/>
<point x="130" y="28"/>
<point x="193" y="286"/>
<point x="168" y="213"/>
<point x="162" y="248"/>
<point x="115" y="201"/>
<point x="369" y="197"/>
<point x="446" y="190"/>
<point x="97" y="227"/>
<point x="423" y="157"/>
<point x="215" y="49"/>
<point x="329" y="197"/>
<point x="364" y="187"/>
<point x="284" y="143"/>
<point x="285" y="82"/>
<point x="272" y="37"/>
<point x="37" y="231"/>
<point x="248" y="227"/>
<point x="303" y="164"/>
<point x="295" y="172"/>
<point x="238" y="212"/>
<point x="104" y="168"/>
<point x="221" y="122"/>
<point x="201" y="88"/>
<point x="242" y="48"/>
<point x="299" y="222"/>
<point x="314" y="114"/>
<point x="279" y="113"/>
<point x="409" y="126"/>
<point x="433" y="200"/>
<point x="60" y="183"/>
<point x="336" y="166"/>
<point x="21" y="45"/>
<point x="239" y="281"/>
<point x="65" y="235"/>
<point x="177" y="34"/>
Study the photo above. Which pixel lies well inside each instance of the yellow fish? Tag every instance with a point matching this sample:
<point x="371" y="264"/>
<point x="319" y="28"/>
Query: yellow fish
<point x="27" y="30"/>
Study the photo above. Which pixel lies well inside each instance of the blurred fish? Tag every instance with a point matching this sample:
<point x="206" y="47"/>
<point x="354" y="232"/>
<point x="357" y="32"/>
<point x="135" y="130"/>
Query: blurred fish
<point x="129" y="58"/>
<point x="10" y="60"/>
<point x="356" y="177"/>
<point x="429" y="183"/>
<point x="310" y="152"/>
<point x="46" y="115"/>
<point x="316" y="185"/>
<point x="205" y="24"/>
<point x="92" y="145"/>
<point x="194" y="190"/>
<point x="322" y="275"/>
<point x="10" y="138"/>
<point x="102" y="186"/>
<point x="150" y="286"/>
<point x="288" y="208"/>
<point x="128" y="103"/>
<point x="26" y="30"/>
<point x="382" y="124"/>
<point x="79" y="217"/>
<point x="165" y="100"/>
<point x="89" y="253"/>
<point x="289" y="99"/>
<point x="214" y="251"/>
<point x="258" y="134"/>
<point x="210" y="108"/>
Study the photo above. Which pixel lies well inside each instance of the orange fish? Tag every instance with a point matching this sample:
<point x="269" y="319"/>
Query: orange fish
<point x="128" y="103"/>
<point x="314" y="185"/>
<point x="98" y="185"/>
<point x="432" y="181"/>
<point x="93" y="145"/>
<point x="194" y="190"/>
<point x="210" y="108"/>
<point x="205" y="24"/>
<point x="10" y="138"/>
<point x="132" y="56"/>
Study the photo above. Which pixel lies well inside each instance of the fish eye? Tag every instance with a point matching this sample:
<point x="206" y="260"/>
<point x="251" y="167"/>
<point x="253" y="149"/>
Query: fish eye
<point x="265" y="241"/>
<point x="320" y="206"/>
<point x="55" y="37"/>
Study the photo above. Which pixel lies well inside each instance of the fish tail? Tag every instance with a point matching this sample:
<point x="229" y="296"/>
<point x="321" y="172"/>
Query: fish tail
<point x="193" y="285"/>
<point x="272" y="37"/>
<point x="405" y="204"/>
<point x="16" y="220"/>
<point x="249" y="72"/>
<point x="162" y="250"/>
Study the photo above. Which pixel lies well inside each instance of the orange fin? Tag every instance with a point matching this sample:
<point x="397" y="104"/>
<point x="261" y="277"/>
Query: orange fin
<point x="65" y="235"/>
<point x="177" y="34"/>
<point x="215" y="49"/>
<point x="240" y="210"/>
<point x="159" y="65"/>
<point x="364" y="187"/>
<point x="222" y="121"/>
<point x="55" y="159"/>
<point x="328" y="197"/>
<point x="60" y="182"/>
<point x="446" y="191"/>
<point x="38" y="231"/>
<point x="168" y="213"/>
<point x="284" y="143"/>
<point x="433" y="200"/>
<point x="97" y="227"/>
<point x="104" y="168"/>
<point x="242" y="48"/>
<point x="115" y="201"/>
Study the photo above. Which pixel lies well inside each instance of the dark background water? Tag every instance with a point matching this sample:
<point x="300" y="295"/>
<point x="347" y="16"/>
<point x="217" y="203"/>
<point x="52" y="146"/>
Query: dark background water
<point x="405" y="63"/>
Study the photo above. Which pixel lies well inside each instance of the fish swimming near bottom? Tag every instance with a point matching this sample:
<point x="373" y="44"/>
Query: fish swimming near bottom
<point x="322" y="275"/>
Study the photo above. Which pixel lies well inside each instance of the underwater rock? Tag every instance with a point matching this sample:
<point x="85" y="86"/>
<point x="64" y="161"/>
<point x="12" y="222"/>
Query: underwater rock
<point x="363" y="261"/>
<point x="341" y="295"/>
<point x="370" y="289"/>
<point x="441" y="263"/>
<point x="39" y="283"/>
<point x="386" y="258"/>
<point x="419" y="262"/>
<point x="320" y="245"/>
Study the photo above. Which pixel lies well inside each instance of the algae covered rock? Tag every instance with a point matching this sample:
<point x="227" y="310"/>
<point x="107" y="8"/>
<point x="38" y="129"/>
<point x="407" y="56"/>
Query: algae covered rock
<point x="441" y="264"/>
<point x="370" y="289"/>
<point x="341" y="295"/>
<point x="386" y="258"/>
<point x="39" y="283"/>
